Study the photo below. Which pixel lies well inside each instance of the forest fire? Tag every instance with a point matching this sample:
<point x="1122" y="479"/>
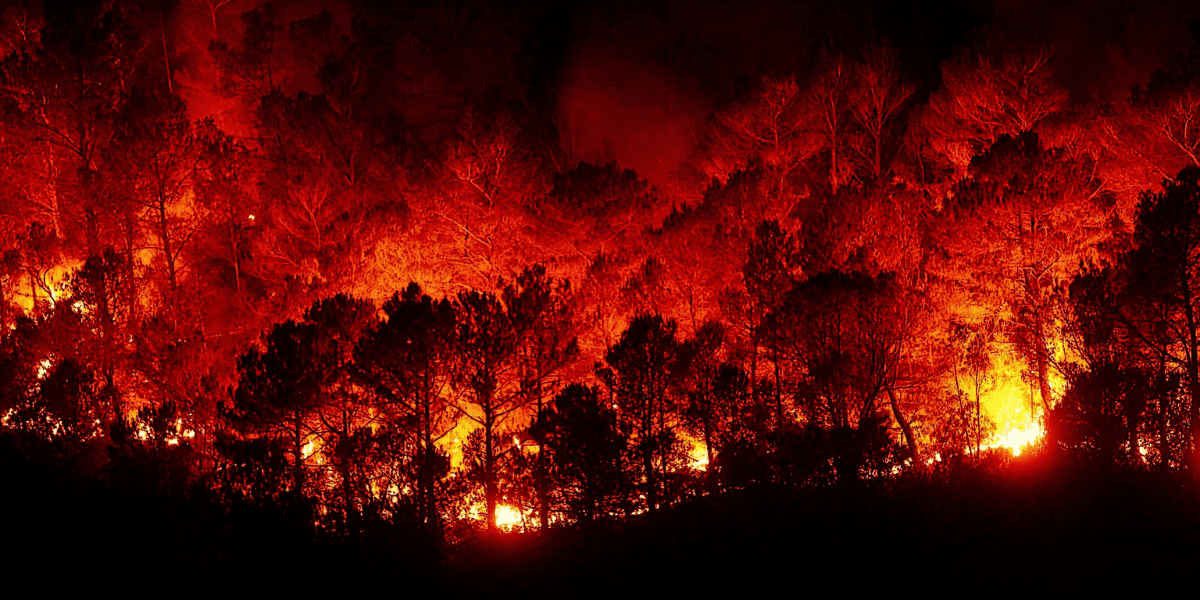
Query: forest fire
<point x="441" y="273"/>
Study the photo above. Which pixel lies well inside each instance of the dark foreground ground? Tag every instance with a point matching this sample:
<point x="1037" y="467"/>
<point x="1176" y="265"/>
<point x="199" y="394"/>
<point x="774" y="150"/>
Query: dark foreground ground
<point x="1022" y="525"/>
<point x="1016" y="528"/>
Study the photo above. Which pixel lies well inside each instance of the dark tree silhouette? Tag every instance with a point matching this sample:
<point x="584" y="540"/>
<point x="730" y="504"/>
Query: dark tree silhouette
<point x="297" y="378"/>
<point x="408" y="361"/>
<point x="846" y="333"/>
<point x="644" y="372"/>
<point x="586" y="443"/>
<point x="511" y="347"/>
<point x="1156" y="292"/>
<point x="772" y="266"/>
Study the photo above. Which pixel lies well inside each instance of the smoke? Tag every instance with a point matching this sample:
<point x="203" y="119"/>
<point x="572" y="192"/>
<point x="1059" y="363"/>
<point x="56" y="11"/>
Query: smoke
<point x="641" y="82"/>
<point x="614" y="106"/>
<point x="199" y="29"/>
<point x="636" y="83"/>
<point x="1104" y="48"/>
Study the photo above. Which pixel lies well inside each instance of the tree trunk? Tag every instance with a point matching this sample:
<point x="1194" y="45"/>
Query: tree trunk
<point x="426" y="479"/>
<point x="647" y="444"/>
<point x="708" y="453"/>
<point x="1043" y="371"/>
<point x="298" y="449"/>
<point x="1194" y="412"/>
<point x="651" y="483"/>
<point x="543" y="491"/>
<point x="1041" y="356"/>
<point x="878" y="150"/>
<point x="1135" y="449"/>
<point x="350" y="512"/>
<point x="778" y="391"/>
<point x="908" y="432"/>
<point x="978" y="418"/>
<point x="165" y="233"/>
<point x="541" y="468"/>
<point x="1193" y="374"/>
<point x="490" y="493"/>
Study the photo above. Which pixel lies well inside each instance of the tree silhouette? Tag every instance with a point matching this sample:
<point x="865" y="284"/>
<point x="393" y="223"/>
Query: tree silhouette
<point x="1167" y="107"/>
<point x="702" y="413"/>
<point x="294" y="387"/>
<point x="586" y="443"/>
<point x="511" y="348"/>
<point x="878" y="95"/>
<point x="155" y="131"/>
<point x="1160" y="301"/>
<point x="992" y="87"/>
<point x="643" y="372"/>
<point x="772" y="266"/>
<point x="847" y="333"/>
<point x="408" y="361"/>
<point x="773" y="127"/>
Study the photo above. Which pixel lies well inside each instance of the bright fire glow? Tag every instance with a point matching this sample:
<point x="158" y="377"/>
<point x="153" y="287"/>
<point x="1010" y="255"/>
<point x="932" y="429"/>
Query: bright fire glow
<point x="507" y="517"/>
<point x="697" y="455"/>
<point x="1015" y="405"/>
<point x="53" y="284"/>
<point x="1016" y="440"/>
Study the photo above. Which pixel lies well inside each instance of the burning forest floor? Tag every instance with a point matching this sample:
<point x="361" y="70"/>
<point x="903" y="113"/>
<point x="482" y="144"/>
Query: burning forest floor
<point x="1023" y="522"/>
